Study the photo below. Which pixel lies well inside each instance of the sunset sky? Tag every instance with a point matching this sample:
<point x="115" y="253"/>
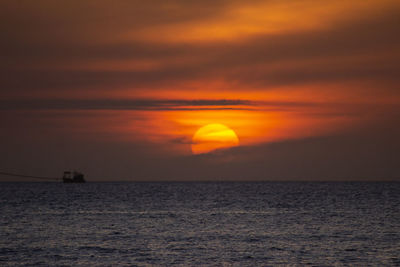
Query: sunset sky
<point x="118" y="89"/>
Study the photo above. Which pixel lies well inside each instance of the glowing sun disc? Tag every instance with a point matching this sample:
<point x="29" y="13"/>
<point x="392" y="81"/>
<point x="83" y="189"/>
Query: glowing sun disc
<point x="213" y="136"/>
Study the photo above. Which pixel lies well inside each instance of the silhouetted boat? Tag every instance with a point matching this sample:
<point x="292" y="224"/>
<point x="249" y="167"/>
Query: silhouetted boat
<point x="73" y="177"/>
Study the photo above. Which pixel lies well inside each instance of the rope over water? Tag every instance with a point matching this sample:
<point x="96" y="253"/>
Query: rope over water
<point x="29" y="176"/>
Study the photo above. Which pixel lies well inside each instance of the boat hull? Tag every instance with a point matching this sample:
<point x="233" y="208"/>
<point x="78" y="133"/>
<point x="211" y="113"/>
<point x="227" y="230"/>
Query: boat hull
<point x="67" y="180"/>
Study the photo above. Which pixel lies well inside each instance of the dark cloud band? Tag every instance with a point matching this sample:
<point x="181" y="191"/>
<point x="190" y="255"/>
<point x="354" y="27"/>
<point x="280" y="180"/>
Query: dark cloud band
<point x="146" y="104"/>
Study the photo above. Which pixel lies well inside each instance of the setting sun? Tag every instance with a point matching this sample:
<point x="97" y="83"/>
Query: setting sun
<point x="201" y="90"/>
<point x="213" y="136"/>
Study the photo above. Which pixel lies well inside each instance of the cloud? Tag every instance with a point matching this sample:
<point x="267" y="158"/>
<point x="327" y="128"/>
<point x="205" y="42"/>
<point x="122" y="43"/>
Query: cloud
<point x="352" y="157"/>
<point x="34" y="145"/>
<point x="121" y="104"/>
<point x="364" y="49"/>
<point x="147" y="104"/>
<point x="331" y="64"/>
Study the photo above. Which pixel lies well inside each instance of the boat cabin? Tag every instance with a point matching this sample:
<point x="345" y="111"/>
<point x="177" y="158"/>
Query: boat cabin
<point x="73" y="177"/>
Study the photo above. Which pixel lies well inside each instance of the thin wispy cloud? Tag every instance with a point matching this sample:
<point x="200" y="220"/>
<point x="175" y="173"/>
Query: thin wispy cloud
<point x="145" y="104"/>
<point x="147" y="75"/>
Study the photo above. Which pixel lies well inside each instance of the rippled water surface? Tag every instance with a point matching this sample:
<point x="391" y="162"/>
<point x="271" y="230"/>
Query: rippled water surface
<point x="191" y="224"/>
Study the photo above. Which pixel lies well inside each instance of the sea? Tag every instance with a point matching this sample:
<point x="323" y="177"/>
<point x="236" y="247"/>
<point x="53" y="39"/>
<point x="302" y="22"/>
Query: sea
<point x="200" y="224"/>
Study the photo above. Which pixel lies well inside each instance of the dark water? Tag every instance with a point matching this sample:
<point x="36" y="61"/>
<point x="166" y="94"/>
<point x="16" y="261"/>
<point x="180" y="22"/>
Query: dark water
<point x="191" y="224"/>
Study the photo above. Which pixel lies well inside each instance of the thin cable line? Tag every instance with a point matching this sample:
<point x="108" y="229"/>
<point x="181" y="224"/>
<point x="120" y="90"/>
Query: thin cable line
<point x="28" y="176"/>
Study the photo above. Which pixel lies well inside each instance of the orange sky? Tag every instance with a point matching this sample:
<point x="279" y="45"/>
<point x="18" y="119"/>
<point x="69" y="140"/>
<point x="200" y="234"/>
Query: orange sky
<point x="152" y="73"/>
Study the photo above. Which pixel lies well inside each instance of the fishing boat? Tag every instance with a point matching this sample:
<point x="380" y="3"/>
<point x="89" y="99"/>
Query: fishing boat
<point x="73" y="177"/>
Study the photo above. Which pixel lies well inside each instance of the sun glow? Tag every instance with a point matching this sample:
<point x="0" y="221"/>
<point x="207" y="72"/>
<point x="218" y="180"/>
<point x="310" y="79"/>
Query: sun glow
<point x="213" y="136"/>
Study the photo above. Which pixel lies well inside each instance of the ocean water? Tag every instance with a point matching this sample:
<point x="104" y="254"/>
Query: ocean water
<point x="200" y="224"/>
